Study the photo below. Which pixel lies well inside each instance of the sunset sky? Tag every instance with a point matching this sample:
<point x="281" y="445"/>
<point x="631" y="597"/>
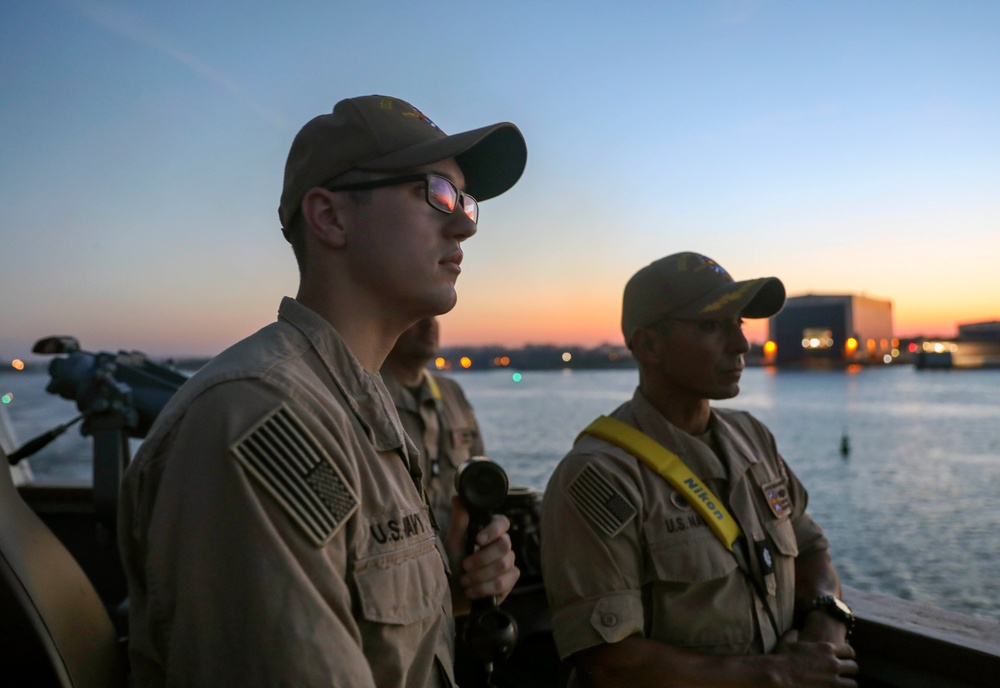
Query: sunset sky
<point x="845" y="147"/>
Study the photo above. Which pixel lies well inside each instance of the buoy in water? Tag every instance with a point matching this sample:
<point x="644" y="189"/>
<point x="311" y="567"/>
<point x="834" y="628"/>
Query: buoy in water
<point x="845" y="444"/>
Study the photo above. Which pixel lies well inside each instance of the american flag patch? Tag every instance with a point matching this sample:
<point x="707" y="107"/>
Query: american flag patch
<point x="284" y="457"/>
<point x="600" y="502"/>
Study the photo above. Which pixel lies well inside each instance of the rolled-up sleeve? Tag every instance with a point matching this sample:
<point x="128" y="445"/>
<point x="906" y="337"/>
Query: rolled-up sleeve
<point x="591" y="554"/>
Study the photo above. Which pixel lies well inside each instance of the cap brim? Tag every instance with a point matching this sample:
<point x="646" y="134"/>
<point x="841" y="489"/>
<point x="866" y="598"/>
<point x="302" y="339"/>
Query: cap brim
<point x="492" y="158"/>
<point x="756" y="298"/>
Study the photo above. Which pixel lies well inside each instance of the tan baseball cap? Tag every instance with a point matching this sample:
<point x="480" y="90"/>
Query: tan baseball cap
<point x="381" y="134"/>
<point x="692" y="286"/>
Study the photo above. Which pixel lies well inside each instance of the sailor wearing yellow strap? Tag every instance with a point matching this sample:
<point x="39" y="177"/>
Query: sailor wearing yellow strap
<point x="673" y="530"/>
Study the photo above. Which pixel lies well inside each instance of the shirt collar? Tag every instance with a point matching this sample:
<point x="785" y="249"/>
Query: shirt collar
<point x="364" y="391"/>
<point x="733" y="444"/>
<point x="699" y="458"/>
<point x="404" y="397"/>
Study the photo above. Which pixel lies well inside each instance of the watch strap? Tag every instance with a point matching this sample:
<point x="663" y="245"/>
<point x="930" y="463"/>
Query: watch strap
<point x="837" y="609"/>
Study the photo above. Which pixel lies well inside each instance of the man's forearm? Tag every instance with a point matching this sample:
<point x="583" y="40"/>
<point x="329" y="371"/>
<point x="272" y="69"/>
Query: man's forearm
<point x="814" y="578"/>
<point x="643" y="663"/>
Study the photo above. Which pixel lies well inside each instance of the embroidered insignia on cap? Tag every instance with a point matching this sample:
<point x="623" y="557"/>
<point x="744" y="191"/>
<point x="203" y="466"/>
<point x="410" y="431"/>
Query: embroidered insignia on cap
<point x="778" y="498"/>
<point x="598" y="500"/>
<point x="714" y="267"/>
<point x="427" y="120"/>
<point x="288" y="462"/>
<point x="727" y="298"/>
<point x="423" y="118"/>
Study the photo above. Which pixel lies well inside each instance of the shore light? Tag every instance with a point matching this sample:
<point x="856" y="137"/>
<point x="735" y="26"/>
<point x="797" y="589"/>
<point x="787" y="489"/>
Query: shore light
<point x="465" y="362"/>
<point x="567" y="356"/>
<point x="17" y="364"/>
<point x="440" y="363"/>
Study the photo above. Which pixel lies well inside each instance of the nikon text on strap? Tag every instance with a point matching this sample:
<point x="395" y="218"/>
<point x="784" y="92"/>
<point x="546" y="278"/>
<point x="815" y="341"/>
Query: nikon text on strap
<point x="672" y="469"/>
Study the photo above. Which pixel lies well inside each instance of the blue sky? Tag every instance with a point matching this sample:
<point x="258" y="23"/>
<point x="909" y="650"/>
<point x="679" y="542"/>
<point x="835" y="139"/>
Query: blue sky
<point x="842" y="146"/>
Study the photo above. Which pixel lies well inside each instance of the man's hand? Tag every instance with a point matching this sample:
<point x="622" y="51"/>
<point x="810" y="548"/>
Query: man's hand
<point x="817" y="663"/>
<point x="490" y="570"/>
<point x="821" y="627"/>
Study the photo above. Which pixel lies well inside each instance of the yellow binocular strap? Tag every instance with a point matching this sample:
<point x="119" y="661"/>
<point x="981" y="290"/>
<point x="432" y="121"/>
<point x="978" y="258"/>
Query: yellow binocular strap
<point x="672" y="469"/>
<point x="432" y="383"/>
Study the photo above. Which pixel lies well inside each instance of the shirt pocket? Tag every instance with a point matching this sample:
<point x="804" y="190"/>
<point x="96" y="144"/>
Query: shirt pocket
<point x="403" y="586"/>
<point x="461" y="440"/>
<point x="782" y="534"/>
<point x="691" y="554"/>
<point x="695" y="594"/>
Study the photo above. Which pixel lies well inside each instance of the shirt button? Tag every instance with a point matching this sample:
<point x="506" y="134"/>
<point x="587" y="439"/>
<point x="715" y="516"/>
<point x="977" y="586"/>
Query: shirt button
<point x="609" y="619"/>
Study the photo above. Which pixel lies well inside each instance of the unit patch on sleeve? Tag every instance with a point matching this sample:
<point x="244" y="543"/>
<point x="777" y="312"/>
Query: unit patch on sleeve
<point x="599" y="501"/>
<point x="285" y="458"/>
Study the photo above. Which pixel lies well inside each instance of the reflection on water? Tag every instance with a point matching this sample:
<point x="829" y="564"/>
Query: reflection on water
<point x="911" y="512"/>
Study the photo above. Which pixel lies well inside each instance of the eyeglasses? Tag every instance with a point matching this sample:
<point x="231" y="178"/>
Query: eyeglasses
<point x="439" y="192"/>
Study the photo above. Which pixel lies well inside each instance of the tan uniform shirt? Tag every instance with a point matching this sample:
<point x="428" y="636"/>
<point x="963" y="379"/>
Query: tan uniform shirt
<point x="623" y="554"/>
<point x="272" y="530"/>
<point x="445" y="431"/>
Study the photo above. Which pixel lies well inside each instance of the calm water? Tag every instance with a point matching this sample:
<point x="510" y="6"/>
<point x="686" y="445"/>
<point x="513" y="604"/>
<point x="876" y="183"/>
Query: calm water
<point x="912" y="512"/>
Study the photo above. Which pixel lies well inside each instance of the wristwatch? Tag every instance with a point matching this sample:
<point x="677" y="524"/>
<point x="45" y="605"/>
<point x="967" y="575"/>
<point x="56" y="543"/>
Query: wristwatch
<point x="836" y="608"/>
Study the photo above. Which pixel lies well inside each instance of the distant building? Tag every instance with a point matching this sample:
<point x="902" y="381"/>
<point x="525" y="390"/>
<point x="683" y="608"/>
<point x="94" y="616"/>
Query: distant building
<point x="977" y="346"/>
<point x="988" y="331"/>
<point x="832" y="330"/>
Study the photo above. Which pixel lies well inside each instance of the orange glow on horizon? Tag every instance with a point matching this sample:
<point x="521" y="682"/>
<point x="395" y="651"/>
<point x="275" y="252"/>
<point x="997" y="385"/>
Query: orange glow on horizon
<point x="592" y="329"/>
<point x="513" y="320"/>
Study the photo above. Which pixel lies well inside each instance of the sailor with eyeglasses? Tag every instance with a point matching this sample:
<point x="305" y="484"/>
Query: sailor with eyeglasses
<point x="273" y="526"/>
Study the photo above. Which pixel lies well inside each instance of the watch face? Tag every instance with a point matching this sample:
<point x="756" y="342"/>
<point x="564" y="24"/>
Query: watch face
<point x="834" y="606"/>
<point x="842" y="606"/>
<point x="838" y="609"/>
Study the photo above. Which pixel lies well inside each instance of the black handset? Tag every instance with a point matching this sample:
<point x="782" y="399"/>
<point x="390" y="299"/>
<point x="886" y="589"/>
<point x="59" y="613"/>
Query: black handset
<point x="490" y="632"/>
